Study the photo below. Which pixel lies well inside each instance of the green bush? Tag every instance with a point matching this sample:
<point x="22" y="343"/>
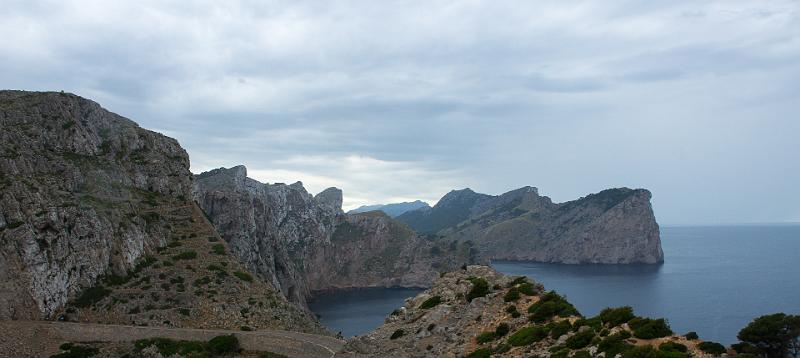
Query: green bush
<point x="245" y="328"/>
<point x="527" y="289"/>
<point x="74" y="351"/>
<point x="91" y="296"/>
<point x="224" y="344"/>
<point x="431" y="302"/>
<point x="397" y="334"/>
<point x="672" y="347"/>
<point x="218" y="249"/>
<point x="168" y="347"/>
<point x="641" y="352"/>
<point x="774" y="335"/>
<point x="501" y="330"/>
<point x="480" y="288"/>
<point x="558" y="329"/>
<point x="691" y="336"/>
<point x="593" y="322"/>
<point x="580" y="339"/>
<point x="244" y="276"/>
<point x="485" y="337"/>
<point x="581" y="354"/>
<point x="614" y="344"/>
<point x="511" y="295"/>
<point x="526" y="336"/>
<point x="711" y="348"/>
<point x="480" y="353"/>
<point x="616" y="316"/>
<point x="647" y="328"/>
<point x="550" y="305"/>
<point x="517" y="281"/>
<point x="186" y="255"/>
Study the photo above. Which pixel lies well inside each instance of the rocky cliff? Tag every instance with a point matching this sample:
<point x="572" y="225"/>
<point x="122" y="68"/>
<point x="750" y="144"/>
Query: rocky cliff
<point x="97" y="211"/>
<point x="79" y="193"/>
<point x="477" y="312"/>
<point x="615" y="226"/>
<point x="303" y="243"/>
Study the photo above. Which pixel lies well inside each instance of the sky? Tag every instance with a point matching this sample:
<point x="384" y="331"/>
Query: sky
<point x="392" y="101"/>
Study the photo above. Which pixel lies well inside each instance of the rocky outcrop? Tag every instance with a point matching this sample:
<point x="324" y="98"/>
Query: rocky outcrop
<point x="394" y="210"/>
<point x="615" y="226"/>
<point x="478" y="312"/>
<point x="79" y="189"/>
<point x="302" y="243"/>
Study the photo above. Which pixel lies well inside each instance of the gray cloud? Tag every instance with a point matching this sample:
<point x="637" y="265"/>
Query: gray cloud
<point x="696" y="101"/>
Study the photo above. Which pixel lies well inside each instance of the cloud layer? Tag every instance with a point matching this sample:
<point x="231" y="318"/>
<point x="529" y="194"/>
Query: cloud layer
<point x="696" y="100"/>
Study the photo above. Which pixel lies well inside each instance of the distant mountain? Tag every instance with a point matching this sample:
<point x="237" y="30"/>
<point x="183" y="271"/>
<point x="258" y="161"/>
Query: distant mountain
<point x="610" y="227"/>
<point x="393" y="210"/>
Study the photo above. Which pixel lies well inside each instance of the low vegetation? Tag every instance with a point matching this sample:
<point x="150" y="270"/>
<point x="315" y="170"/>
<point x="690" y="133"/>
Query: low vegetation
<point x="431" y="302"/>
<point x="550" y="305"/>
<point x="480" y="288"/>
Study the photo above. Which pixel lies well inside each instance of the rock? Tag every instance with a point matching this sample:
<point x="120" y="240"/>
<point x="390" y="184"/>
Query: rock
<point x="615" y="226"/>
<point x="394" y="210"/>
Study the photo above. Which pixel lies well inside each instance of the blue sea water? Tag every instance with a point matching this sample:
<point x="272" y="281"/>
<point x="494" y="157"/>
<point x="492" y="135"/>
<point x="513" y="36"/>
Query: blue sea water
<point x="715" y="279"/>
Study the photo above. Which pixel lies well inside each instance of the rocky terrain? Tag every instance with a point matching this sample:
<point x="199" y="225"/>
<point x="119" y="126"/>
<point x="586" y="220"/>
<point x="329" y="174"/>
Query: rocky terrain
<point x="478" y="312"/>
<point x="303" y="243"/>
<point x="98" y="211"/>
<point x="615" y="226"/>
<point x="394" y="210"/>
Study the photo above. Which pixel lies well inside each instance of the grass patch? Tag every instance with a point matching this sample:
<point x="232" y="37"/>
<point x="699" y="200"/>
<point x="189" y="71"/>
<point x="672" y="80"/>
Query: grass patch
<point x="431" y="302"/>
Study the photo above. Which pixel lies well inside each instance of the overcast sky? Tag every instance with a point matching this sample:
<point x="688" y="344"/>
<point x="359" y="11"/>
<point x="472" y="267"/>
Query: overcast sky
<point x="394" y="101"/>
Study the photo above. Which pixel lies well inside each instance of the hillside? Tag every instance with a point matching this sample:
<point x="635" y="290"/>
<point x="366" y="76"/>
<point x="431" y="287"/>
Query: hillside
<point x="478" y="312"/>
<point x="615" y="226"/>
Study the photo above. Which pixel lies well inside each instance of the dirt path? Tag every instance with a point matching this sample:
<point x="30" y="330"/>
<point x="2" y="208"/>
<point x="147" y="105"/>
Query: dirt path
<point x="42" y="338"/>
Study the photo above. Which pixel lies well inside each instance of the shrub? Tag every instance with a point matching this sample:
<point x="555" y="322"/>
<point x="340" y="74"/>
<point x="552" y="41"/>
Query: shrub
<point x="672" y="347"/>
<point x="518" y="280"/>
<point x="186" y="255"/>
<point x="526" y="336"/>
<point x="244" y="276"/>
<point x="580" y="339"/>
<point x="224" y="344"/>
<point x="74" y="351"/>
<point x="91" y="296"/>
<point x="218" y="249"/>
<point x="646" y="328"/>
<point x="397" y="334"/>
<point x="581" y="354"/>
<point x="558" y="329"/>
<point x="616" y="316"/>
<point x="501" y="330"/>
<point x="511" y="295"/>
<point x="480" y="353"/>
<point x="691" y="336"/>
<point x="245" y="328"/>
<point x="184" y="311"/>
<point x="641" y="352"/>
<point x="527" y="289"/>
<point x="614" y="344"/>
<point x="711" y="348"/>
<point x="168" y="347"/>
<point x="480" y="288"/>
<point x="593" y="322"/>
<point x="431" y="302"/>
<point x="550" y="305"/>
<point x="774" y="335"/>
<point x="561" y="353"/>
<point x="485" y="337"/>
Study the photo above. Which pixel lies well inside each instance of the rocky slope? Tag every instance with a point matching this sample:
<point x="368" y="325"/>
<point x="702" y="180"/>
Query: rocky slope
<point x="478" y="312"/>
<point x="615" y="226"/>
<point x="95" y="209"/>
<point x="394" y="210"/>
<point x="303" y="243"/>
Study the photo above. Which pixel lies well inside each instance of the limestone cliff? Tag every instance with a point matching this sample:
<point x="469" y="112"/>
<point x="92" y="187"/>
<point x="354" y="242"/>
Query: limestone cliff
<point x="303" y="243"/>
<point x="615" y="226"/>
<point x="79" y="189"/>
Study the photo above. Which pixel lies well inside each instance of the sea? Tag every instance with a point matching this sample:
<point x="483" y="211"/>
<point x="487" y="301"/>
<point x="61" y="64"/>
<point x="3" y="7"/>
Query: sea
<point x="714" y="280"/>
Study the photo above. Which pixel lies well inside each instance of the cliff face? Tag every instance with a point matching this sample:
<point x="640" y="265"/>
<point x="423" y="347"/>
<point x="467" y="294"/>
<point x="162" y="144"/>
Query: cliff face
<point x="615" y="226"/>
<point x="301" y="243"/>
<point x="80" y="194"/>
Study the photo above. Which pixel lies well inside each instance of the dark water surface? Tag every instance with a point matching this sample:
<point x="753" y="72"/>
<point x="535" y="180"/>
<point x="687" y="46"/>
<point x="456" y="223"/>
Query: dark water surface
<point x="715" y="279"/>
<point x="355" y="312"/>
